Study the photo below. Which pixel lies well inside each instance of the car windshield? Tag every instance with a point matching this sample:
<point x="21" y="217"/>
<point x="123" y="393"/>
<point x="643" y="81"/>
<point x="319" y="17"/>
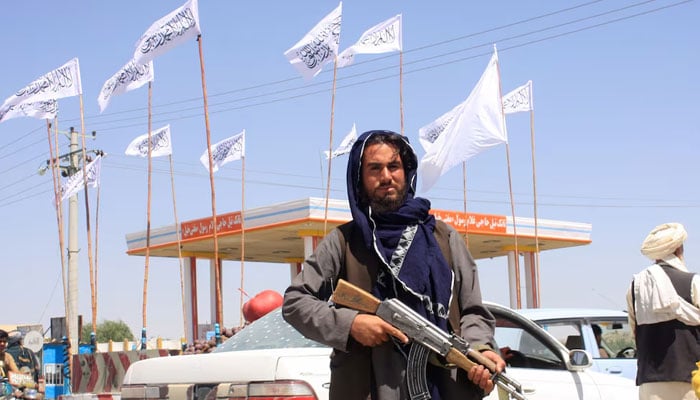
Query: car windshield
<point x="617" y="338"/>
<point x="269" y="332"/>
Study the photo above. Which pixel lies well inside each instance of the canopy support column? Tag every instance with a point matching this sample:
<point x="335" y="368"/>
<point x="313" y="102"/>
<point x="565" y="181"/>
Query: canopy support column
<point x="532" y="280"/>
<point x="512" y="281"/>
<point x="190" y="282"/>
<point x="213" y="304"/>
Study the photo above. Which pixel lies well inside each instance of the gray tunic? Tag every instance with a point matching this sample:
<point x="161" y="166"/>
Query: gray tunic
<point x="306" y="307"/>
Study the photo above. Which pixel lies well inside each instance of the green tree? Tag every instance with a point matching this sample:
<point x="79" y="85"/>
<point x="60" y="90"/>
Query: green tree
<point x="116" y="331"/>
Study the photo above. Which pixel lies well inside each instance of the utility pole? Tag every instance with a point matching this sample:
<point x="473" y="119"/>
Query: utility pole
<point x="72" y="307"/>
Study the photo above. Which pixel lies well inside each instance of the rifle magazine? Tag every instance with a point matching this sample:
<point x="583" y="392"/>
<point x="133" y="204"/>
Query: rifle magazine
<point x="416" y="379"/>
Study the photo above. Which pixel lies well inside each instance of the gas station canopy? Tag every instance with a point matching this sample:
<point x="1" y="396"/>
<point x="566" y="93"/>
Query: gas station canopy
<point x="275" y="234"/>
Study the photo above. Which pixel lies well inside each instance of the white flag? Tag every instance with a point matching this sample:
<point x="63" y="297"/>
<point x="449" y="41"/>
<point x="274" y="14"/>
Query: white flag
<point x="318" y="47"/>
<point x="478" y="125"/>
<point x="519" y="100"/>
<point x="227" y="150"/>
<point x="428" y="134"/>
<point x="41" y="109"/>
<point x="345" y="145"/>
<point x="381" y="38"/>
<point x="129" y="77"/>
<point x="161" y="145"/>
<point x="75" y="182"/>
<point x="170" y="31"/>
<point x="62" y="82"/>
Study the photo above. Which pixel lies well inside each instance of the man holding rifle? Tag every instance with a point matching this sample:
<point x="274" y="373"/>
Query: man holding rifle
<point x="394" y="249"/>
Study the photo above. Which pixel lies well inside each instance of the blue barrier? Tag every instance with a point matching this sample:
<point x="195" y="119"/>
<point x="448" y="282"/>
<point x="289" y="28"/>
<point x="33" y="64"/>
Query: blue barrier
<point x="52" y="361"/>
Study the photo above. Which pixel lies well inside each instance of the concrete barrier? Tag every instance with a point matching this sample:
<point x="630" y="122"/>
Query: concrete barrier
<point x="104" y="372"/>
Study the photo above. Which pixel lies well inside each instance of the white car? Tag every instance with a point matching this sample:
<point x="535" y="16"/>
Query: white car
<point x="270" y="360"/>
<point x="575" y="328"/>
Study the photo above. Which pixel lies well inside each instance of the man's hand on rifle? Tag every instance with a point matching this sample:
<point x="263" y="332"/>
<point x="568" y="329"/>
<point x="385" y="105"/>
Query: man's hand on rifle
<point x="370" y="330"/>
<point x="481" y="376"/>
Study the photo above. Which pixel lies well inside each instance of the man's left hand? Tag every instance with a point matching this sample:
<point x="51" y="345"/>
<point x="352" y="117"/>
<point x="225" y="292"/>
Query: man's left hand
<point x="481" y="376"/>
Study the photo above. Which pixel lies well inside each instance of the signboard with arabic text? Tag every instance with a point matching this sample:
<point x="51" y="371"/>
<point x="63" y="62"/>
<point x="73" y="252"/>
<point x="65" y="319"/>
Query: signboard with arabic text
<point x="472" y="223"/>
<point x="204" y="227"/>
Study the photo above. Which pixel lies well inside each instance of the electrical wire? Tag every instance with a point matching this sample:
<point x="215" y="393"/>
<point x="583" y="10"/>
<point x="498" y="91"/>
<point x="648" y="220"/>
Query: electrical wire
<point x="6" y="201"/>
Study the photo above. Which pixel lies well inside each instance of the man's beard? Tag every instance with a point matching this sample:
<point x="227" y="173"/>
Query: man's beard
<point x="388" y="204"/>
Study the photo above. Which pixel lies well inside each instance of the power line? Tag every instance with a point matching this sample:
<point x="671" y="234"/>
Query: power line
<point x="367" y="81"/>
<point x="4" y="203"/>
<point x="373" y="60"/>
<point x="20" y="138"/>
<point x="324" y="84"/>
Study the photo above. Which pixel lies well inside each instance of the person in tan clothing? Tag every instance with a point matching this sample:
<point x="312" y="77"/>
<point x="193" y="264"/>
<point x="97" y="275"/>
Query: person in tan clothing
<point x="7" y="362"/>
<point x="663" y="304"/>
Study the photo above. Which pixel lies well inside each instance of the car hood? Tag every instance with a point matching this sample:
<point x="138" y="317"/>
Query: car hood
<point x="253" y="365"/>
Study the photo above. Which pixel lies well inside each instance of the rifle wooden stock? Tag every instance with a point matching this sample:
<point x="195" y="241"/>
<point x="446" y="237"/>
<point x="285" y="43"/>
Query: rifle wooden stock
<point x="349" y="295"/>
<point x="459" y="359"/>
<point x="463" y="361"/>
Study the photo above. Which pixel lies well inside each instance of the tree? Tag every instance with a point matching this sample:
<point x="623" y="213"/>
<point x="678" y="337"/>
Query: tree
<point x="116" y="331"/>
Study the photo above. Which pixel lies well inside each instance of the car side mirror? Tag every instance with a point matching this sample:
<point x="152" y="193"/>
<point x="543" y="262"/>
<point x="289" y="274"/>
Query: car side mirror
<point x="579" y="359"/>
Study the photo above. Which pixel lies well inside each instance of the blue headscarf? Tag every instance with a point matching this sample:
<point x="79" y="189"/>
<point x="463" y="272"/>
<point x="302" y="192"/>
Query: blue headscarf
<point x="424" y="281"/>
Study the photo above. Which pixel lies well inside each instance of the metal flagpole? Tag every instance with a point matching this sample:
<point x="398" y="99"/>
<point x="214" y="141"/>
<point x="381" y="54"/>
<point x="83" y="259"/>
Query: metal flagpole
<point x="179" y="247"/>
<point x="320" y="163"/>
<point x="330" y="146"/>
<point x="464" y="190"/>
<point x="53" y="164"/>
<point x="87" y="219"/>
<point x="515" y="234"/>
<point x="510" y="190"/>
<point x="536" y="267"/>
<point x="401" y="88"/>
<point x="97" y="232"/>
<point x="144" y="321"/>
<point x="242" y="235"/>
<point x="217" y="268"/>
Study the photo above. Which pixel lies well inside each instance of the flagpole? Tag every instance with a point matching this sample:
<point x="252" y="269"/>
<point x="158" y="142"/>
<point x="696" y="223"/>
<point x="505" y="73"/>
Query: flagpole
<point x="97" y="232"/>
<point x="515" y="234"/>
<point x="464" y="191"/>
<point x="217" y="270"/>
<point x="59" y="207"/>
<point x="144" y="321"/>
<point x="87" y="219"/>
<point x="535" y="268"/>
<point x="179" y="247"/>
<point x="401" y="88"/>
<point x="330" y="146"/>
<point x="320" y="163"/>
<point x="510" y="190"/>
<point x="240" y="310"/>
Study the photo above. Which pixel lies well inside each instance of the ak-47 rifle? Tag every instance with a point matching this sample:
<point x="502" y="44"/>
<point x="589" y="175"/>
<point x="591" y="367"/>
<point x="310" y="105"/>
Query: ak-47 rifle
<point x="453" y="348"/>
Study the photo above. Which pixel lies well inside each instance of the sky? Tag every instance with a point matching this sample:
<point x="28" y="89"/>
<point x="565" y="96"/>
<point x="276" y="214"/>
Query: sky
<point x="616" y="119"/>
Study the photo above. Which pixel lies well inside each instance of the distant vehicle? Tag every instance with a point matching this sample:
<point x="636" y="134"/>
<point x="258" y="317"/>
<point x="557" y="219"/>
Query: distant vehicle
<point x="573" y="327"/>
<point x="270" y="359"/>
